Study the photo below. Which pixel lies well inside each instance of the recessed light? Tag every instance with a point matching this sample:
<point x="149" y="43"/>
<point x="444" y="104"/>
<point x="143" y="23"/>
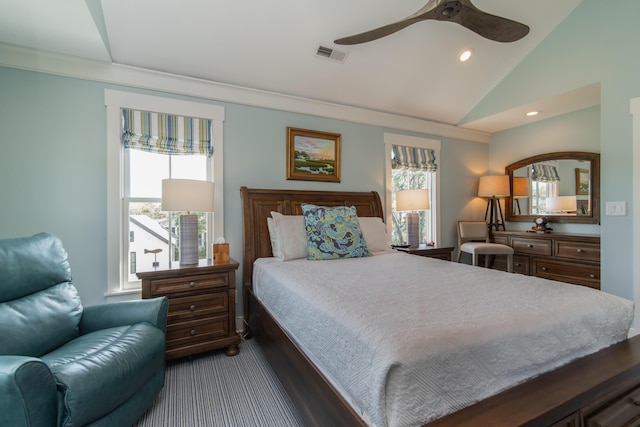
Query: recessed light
<point x="465" y="55"/>
<point x="533" y="113"/>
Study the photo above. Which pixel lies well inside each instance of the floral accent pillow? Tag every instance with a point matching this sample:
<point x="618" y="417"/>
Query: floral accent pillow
<point x="333" y="232"/>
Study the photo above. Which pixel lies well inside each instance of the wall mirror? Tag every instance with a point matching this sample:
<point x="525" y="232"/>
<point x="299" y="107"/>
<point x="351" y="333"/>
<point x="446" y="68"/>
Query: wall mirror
<point x="562" y="186"/>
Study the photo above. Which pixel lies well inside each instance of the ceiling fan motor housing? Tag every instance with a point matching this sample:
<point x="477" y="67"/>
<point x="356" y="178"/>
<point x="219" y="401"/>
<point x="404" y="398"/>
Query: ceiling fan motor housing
<point x="448" y="10"/>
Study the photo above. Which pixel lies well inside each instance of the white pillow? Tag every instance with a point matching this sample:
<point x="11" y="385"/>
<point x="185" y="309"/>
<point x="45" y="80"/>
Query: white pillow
<point x="275" y="246"/>
<point x="291" y="236"/>
<point x="375" y="233"/>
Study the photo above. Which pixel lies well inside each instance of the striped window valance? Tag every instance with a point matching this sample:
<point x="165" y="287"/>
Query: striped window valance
<point x="544" y="173"/>
<point x="413" y="158"/>
<point x="166" y="133"/>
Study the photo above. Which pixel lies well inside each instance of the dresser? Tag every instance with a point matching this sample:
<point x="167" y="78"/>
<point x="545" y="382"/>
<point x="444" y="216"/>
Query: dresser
<point x="201" y="306"/>
<point x="571" y="258"/>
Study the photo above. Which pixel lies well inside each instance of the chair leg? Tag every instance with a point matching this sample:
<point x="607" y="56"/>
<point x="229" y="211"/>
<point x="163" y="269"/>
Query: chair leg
<point x="475" y="260"/>
<point x="486" y="260"/>
<point x="509" y="263"/>
<point x="458" y="257"/>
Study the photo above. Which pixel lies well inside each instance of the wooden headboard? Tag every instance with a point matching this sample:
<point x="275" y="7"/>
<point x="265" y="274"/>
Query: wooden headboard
<point x="257" y="205"/>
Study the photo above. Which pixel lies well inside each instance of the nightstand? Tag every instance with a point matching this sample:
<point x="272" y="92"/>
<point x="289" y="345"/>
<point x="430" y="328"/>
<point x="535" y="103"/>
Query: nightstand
<point x="440" y="252"/>
<point x="202" y="301"/>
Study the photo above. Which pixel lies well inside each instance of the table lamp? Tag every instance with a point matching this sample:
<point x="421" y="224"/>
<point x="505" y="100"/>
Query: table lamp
<point x="412" y="201"/>
<point x="562" y="204"/>
<point x="520" y="191"/>
<point x="494" y="187"/>
<point x="188" y="195"/>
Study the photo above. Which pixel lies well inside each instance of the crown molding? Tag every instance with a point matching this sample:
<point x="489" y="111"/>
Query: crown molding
<point x="70" y="66"/>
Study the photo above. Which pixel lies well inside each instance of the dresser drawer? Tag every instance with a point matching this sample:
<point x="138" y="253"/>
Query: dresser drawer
<point x="202" y="329"/>
<point x="531" y="246"/>
<point x="578" y="250"/>
<point x="174" y="286"/>
<point x="567" y="271"/>
<point x="521" y="264"/>
<point x="188" y="307"/>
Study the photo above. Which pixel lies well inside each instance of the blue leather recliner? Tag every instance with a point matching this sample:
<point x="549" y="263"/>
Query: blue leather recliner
<point x="62" y="364"/>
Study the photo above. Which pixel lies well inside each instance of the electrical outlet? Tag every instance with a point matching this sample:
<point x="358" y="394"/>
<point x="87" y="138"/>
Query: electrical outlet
<point x="616" y="208"/>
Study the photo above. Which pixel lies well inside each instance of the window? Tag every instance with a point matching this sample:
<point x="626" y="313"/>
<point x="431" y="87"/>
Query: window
<point x="411" y="163"/>
<point x="137" y="227"/>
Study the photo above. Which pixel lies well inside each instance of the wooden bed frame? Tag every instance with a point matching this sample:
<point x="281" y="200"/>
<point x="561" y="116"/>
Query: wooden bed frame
<point x="582" y="393"/>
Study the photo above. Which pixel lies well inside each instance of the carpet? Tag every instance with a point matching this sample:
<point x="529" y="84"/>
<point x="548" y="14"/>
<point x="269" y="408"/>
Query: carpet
<point x="214" y="390"/>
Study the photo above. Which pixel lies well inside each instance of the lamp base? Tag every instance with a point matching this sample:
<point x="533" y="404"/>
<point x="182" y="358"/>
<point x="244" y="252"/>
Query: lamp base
<point x="189" y="239"/>
<point x="493" y="209"/>
<point x="413" y="229"/>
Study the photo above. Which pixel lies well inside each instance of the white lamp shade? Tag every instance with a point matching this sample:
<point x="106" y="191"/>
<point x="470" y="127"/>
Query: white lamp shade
<point x="494" y="186"/>
<point x="520" y="186"/>
<point x="412" y="200"/>
<point x="562" y="204"/>
<point x="187" y="195"/>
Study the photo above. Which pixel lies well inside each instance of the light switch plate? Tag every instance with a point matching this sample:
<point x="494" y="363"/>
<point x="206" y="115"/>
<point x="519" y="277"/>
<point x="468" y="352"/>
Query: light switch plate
<point x="616" y="208"/>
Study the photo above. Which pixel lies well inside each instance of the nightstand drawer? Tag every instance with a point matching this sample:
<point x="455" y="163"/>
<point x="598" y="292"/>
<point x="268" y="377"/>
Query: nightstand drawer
<point x="203" y="329"/>
<point x="567" y="271"/>
<point x="531" y="246"/>
<point x="183" y="308"/>
<point x="578" y="250"/>
<point x="169" y="287"/>
<point x="521" y="264"/>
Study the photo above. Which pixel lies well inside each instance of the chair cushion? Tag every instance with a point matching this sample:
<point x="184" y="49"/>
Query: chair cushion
<point x="98" y="372"/>
<point x="482" y="248"/>
<point x="40" y="322"/>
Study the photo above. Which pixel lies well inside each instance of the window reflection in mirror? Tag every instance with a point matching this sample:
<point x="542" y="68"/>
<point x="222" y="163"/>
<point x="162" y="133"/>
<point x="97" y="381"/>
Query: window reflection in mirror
<point x="561" y="186"/>
<point x="552" y="187"/>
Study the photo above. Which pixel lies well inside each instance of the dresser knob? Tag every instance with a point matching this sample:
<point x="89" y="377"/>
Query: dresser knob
<point x="192" y="307"/>
<point x="193" y="332"/>
<point x="517" y="264"/>
<point x="529" y="245"/>
<point x="192" y="284"/>
<point x="593" y="276"/>
<point x="578" y="250"/>
<point x="544" y="268"/>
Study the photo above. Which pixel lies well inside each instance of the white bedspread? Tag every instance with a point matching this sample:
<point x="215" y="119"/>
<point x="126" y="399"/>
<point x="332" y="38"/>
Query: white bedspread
<point x="409" y="339"/>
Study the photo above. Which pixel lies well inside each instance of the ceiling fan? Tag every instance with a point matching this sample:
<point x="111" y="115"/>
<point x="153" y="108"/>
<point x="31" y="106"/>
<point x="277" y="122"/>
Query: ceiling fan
<point x="461" y="12"/>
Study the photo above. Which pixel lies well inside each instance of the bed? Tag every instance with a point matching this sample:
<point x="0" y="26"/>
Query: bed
<point x="568" y="389"/>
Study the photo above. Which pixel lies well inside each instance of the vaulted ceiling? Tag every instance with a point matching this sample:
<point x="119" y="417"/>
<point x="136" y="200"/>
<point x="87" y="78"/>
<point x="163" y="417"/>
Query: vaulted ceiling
<point x="272" y="46"/>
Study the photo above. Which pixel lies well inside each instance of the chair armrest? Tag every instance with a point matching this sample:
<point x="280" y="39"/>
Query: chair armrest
<point x="28" y="395"/>
<point x="102" y="316"/>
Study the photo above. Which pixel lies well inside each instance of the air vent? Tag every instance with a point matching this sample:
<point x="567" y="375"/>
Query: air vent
<point x="332" y="54"/>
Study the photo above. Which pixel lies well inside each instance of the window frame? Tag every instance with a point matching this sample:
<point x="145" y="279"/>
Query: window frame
<point x="418" y="142"/>
<point x="117" y="245"/>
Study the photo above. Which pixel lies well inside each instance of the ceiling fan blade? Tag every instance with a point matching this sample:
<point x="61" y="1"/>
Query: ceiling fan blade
<point x="426" y="12"/>
<point x="490" y="26"/>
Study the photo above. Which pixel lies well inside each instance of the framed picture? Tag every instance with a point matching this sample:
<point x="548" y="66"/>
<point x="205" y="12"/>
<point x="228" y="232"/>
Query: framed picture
<point x="313" y="155"/>
<point x="582" y="181"/>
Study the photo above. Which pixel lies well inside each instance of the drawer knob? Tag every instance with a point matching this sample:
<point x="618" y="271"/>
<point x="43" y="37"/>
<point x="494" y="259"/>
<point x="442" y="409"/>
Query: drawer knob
<point x="544" y="268"/>
<point x="517" y="264"/>
<point x="192" y="284"/>
<point x="193" y="332"/>
<point x="593" y="276"/>
<point x="529" y="245"/>
<point x="578" y="250"/>
<point x="192" y="307"/>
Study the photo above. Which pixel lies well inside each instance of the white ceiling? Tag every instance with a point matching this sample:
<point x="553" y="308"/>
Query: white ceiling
<point x="271" y="46"/>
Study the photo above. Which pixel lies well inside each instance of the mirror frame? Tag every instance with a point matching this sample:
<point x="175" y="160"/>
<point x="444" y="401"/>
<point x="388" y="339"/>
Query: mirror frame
<point x="593" y="158"/>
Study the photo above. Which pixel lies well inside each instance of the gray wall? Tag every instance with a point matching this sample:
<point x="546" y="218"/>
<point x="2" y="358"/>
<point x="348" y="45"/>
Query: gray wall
<point x="54" y="177"/>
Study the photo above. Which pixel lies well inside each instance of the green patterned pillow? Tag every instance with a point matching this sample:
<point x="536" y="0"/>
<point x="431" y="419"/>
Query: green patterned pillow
<point x="333" y="232"/>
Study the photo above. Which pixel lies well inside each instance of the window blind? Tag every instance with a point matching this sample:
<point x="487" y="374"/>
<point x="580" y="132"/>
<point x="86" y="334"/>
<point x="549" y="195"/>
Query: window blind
<point x="166" y="133"/>
<point x="413" y="158"/>
<point x="544" y="173"/>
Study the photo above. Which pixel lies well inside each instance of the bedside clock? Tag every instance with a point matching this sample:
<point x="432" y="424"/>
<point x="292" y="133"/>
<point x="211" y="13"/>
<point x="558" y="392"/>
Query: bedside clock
<point x="540" y="224"/>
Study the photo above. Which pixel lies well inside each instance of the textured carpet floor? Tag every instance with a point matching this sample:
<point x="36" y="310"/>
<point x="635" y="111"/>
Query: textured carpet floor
<point x="215" y="390"/>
